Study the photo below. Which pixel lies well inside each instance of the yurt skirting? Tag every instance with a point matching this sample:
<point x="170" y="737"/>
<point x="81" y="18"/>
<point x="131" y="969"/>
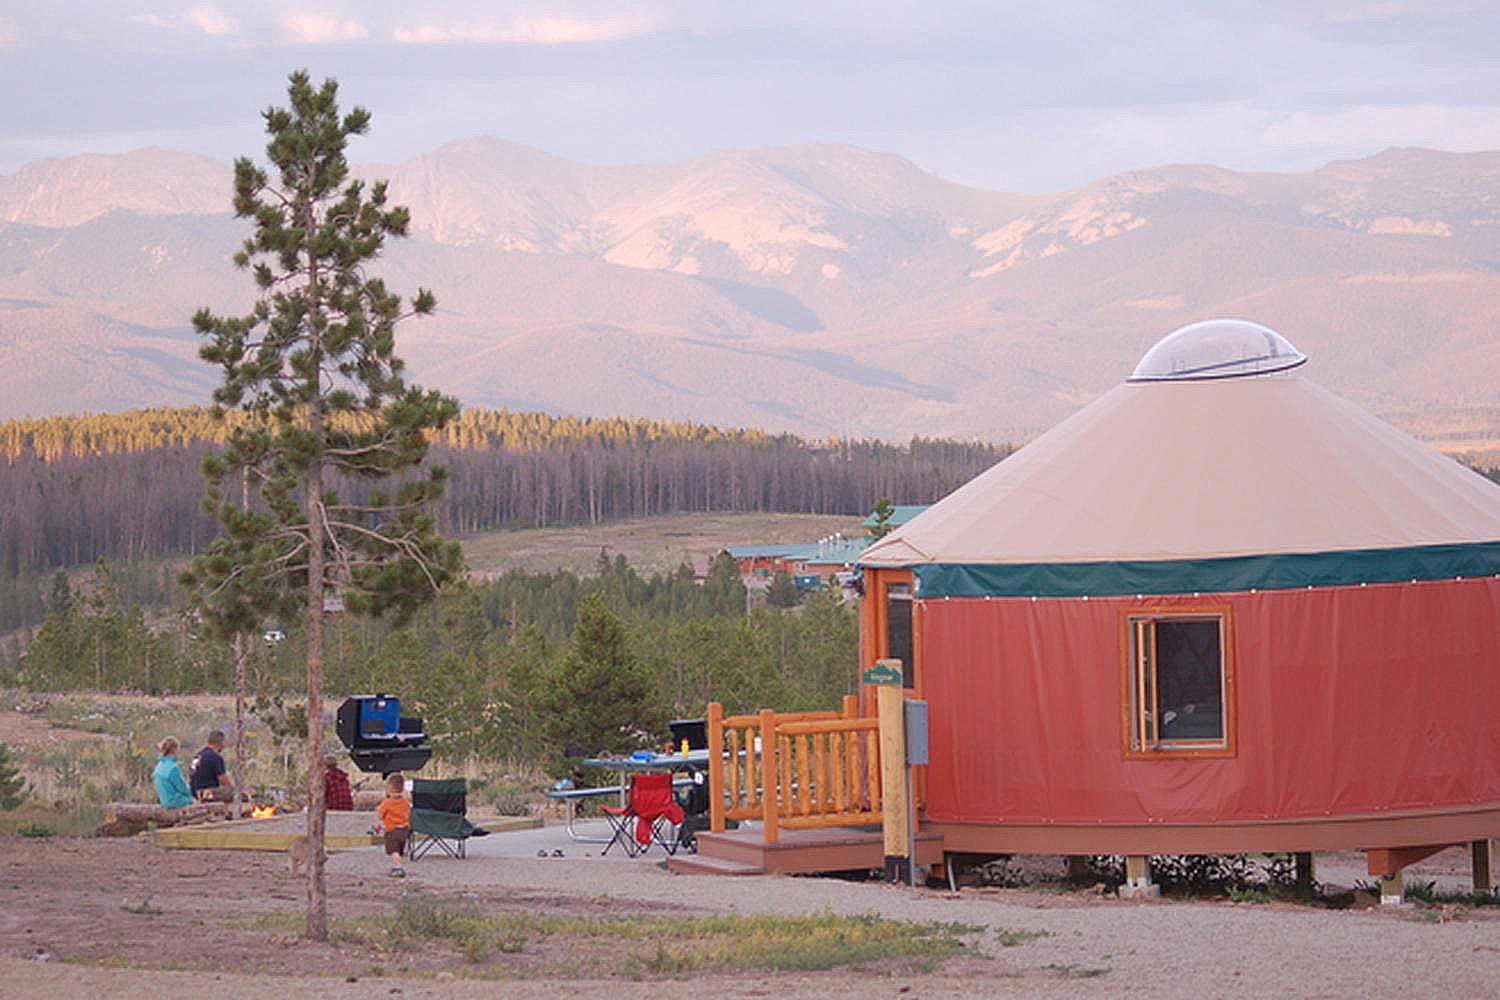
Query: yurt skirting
<point x="1218" y="610"/>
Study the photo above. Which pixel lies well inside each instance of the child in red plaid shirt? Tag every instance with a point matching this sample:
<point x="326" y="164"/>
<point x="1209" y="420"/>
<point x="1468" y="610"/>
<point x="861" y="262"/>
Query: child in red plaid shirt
<point x="336" y="793"/>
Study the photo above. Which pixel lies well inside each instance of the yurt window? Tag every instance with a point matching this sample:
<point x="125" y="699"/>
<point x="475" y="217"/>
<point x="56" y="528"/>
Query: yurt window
<point x="1177" y="682"/>
<point x="898" y="642"/>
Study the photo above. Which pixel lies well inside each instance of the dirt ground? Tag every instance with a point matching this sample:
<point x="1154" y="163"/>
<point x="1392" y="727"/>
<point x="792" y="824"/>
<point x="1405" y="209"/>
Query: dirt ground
<point x="89" y="916"/>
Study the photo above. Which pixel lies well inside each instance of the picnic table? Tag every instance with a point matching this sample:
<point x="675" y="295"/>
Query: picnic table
<point x="693" y="760"/>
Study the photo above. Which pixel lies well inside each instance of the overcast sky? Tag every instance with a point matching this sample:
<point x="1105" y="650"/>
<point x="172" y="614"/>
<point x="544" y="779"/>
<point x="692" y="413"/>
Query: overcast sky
<point x="1009" y="96"/>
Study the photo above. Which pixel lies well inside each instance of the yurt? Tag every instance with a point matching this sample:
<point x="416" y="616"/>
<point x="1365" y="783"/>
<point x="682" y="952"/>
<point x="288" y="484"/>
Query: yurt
<point x="1218" y="610"/>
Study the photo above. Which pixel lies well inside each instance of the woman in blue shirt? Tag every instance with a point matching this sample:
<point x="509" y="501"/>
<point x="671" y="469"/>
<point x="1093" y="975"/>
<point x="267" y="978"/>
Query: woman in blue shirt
<point x="171" y="786"/>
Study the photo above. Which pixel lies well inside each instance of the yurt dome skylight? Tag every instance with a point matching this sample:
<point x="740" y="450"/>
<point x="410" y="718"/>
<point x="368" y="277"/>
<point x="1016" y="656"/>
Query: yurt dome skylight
<point x="1217" y="348"/>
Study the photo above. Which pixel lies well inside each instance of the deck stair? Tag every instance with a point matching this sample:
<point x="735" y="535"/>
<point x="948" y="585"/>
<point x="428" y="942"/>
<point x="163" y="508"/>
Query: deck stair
<point x="796" y="852"/>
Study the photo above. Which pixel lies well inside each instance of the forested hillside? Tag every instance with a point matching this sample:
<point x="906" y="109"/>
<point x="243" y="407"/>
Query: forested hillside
<point x="126" y="487"/>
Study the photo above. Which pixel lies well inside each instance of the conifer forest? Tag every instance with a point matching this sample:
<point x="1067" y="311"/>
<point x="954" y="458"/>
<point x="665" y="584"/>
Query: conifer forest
<point x="98" y="513"/>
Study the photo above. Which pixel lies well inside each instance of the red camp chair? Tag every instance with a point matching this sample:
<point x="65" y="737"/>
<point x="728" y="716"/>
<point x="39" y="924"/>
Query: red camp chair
<point x="649" y="807"/>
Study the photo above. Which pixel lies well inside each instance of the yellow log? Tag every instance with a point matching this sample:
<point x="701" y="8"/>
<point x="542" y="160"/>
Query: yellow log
<point x="854" y="751"/>
<point x="830" y="821"/>
<point x="838" y="744"/>
<point x="827" y="726"/>
<point x="769" y="817"/>
<point x="824" y="744"/>
<point x="735" y="763"/>
<point x="747" y="721"/>
<point x="894" y="823"/>
<point x="804" y="787"/>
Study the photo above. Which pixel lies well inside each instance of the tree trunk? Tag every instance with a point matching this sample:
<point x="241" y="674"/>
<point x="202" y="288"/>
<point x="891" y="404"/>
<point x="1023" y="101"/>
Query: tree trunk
<point x="317" y="886"/>
<point x="317" y="889"/>
<point x="241" y="654"/>
<point x="242" y="648"/>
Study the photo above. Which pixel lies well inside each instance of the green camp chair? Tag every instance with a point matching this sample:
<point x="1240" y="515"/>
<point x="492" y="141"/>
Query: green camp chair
<point x="438" y="818"/>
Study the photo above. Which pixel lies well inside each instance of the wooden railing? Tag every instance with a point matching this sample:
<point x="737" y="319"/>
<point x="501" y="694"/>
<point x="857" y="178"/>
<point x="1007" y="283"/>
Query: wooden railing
<point x="794" y="770"/>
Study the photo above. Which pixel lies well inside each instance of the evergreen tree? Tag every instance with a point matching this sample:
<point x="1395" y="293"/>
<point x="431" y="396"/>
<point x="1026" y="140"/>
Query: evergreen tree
<point x="600" y="697"/>
<point x="724" y="587"/>
<point x="314" y="368"/>
<point x="783" y="592"/>
<point x="12" y="785"/>
<point x="60" y="598"/>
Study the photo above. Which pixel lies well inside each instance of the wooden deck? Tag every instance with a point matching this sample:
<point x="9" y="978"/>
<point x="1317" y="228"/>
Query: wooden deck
<point x="797" y="852"/>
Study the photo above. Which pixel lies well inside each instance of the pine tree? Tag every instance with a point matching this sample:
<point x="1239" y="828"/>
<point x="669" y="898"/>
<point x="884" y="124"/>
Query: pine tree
<point x="12" y="785"/>
<point x="783" y="592"/>
<point x="600" y="697"/>
<point x="884" y="510"/>
<point x="314" y="367"/>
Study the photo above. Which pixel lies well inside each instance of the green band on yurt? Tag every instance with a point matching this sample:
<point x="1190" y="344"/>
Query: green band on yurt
<point x="1188" y="576"/>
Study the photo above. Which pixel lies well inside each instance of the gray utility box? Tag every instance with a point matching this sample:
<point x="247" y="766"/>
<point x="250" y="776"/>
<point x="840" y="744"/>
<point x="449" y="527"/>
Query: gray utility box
<point x="916" y="732"/>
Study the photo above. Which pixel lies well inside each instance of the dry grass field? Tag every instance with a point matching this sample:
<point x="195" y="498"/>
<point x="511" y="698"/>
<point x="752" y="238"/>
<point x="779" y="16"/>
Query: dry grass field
<point x="651" y="545"/>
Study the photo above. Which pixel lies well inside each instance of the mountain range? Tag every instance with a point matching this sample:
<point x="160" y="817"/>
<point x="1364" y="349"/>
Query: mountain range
<point x="820" y="288"/>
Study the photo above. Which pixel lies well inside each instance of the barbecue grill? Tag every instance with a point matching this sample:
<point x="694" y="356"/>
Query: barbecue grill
<point x="693" y="731"/>
<point x="379" y="738"/>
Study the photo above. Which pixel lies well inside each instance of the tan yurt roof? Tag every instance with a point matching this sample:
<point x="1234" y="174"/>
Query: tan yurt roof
<point x="1217" y="447"/>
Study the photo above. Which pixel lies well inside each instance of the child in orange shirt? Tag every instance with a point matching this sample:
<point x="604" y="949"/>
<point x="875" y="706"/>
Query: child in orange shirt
<point x="395" y="819"/>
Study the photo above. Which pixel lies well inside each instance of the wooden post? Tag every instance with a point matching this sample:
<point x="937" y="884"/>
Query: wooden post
<point x="851" y="706"/>
<point x="1479" y="852"/>
<point x="1303" y="876"/>
<point x="770" y="821"/>
<point x="716" y="767"/>
<point x="1138" y="884"/>
<point x="1392" y="889"/>
<point x="895" y="816"/>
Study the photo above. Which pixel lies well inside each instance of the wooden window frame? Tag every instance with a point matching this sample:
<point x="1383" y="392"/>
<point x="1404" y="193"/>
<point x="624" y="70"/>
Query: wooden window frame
<point x="877" y="581"/>
<point x="1137" y="685"/>
<point x="909" y="595"/>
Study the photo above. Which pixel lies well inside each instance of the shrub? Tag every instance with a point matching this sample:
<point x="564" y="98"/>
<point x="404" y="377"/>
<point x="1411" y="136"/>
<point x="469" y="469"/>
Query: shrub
<point x="12" y="784"/>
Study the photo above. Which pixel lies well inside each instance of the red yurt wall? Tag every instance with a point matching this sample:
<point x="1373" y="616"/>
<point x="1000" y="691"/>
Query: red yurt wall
<point x="1345" y="701"/>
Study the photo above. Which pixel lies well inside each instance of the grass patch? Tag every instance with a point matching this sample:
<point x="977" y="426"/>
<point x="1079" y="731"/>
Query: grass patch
<point x="1428" y="892"/>
<point x="1007" y="938"/>
<point x="35" y="818"/>
<point x="1077" y="971"/>
<point x="661" y="946"/>
<point x="1249" y="895"/>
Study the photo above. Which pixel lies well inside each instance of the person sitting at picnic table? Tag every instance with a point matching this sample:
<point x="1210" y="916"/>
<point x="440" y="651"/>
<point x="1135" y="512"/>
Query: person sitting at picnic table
<point x="337" y="797"/>
<point x="171" y="788"/>
<point x="207" y="775"/>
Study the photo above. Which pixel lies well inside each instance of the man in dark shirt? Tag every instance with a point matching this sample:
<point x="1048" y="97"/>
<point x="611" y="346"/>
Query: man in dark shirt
<point x="207" y="775"/>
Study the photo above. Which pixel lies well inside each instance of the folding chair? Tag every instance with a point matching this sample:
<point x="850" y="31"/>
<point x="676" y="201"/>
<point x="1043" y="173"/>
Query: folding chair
<point x="438" y="818"/>
<point x="650" y="806"/>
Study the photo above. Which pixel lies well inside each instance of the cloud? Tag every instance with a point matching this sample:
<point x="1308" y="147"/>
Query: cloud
<point x="209" y="20"/>
<point x="528" y="31"/>
<point x="212" y="21"/>
<point x="1367" y="127"/>
<point x="320" y="29"/>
